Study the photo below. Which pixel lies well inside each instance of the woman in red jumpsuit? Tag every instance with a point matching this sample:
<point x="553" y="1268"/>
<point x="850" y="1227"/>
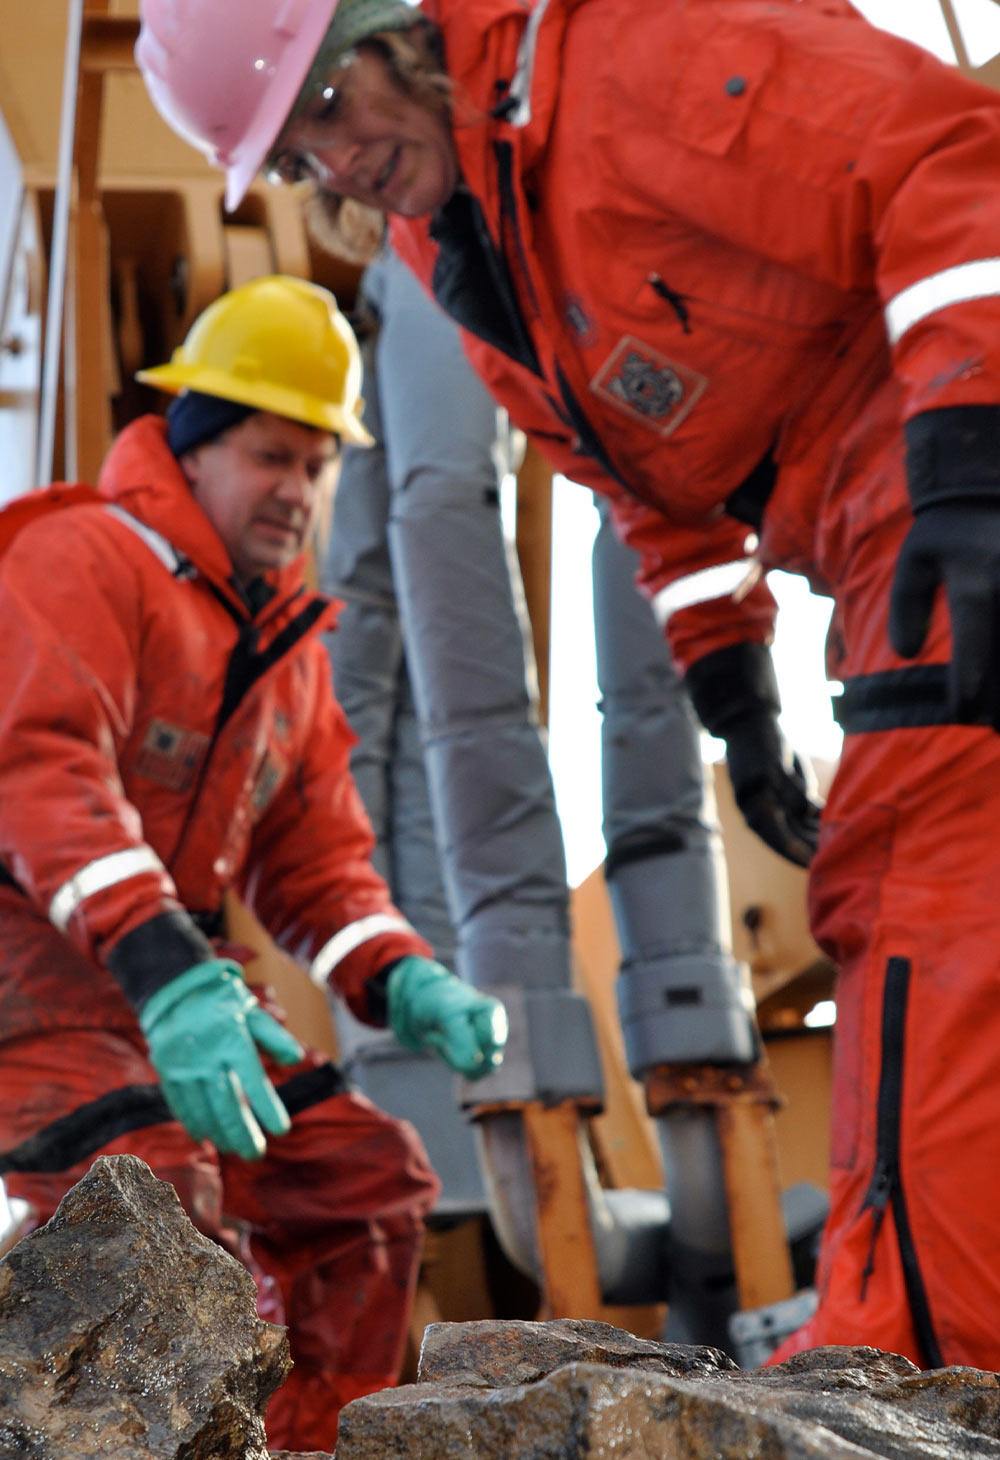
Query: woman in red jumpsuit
<point x="736" y="263"/>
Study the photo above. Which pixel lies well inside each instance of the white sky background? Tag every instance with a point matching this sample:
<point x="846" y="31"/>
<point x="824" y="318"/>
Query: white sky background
<point x="574" y="720"/>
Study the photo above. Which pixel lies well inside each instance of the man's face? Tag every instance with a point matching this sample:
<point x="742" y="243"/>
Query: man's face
<point x="363" y="137"/>
<point x="260" y="484"/>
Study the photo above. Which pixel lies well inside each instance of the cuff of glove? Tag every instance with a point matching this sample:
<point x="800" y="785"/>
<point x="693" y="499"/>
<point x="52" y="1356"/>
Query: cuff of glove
<point x="214" y="973"/>
<point x="407" y="979"/>
<point x="154" y="953"/>
<point x="731" y="684"/>
<point x="951" y="455"/>
<point x="377" y="994"/>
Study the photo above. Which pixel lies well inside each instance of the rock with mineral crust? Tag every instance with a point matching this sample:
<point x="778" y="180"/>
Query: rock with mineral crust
<point x="484" y="1393"/>
<point x="125" y="1333"/>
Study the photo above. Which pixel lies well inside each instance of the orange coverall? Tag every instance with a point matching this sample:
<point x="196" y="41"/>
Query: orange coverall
<point x="164" y="739"/>
<point x="713" y="255"/>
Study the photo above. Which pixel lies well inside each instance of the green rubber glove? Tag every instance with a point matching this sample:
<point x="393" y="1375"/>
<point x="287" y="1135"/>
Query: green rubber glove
<point x="431" y="1009"/>
<point x="203" y="1029"/>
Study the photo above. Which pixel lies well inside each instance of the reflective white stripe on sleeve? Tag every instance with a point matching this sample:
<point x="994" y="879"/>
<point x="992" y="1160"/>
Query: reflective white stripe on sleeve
<point x="96" y="876"/>
<point x="351" y="937"/>
<point x="956" y="285"/>
<point x="718" y="582"/>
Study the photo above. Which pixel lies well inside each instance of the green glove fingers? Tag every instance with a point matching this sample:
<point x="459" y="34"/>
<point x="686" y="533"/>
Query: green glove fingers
<point x="218" y="1111"/>
<point x="431" y="1010"/>
<point x="272" y="1037"/>
<point x="473" y="1038"/>
<point x="203" y="1030"/>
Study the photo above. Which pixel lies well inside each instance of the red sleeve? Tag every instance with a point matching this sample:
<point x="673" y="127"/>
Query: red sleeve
<point x="705" y="588"/>
<point x="69" y="672"/>
<point x="309" y="876"/>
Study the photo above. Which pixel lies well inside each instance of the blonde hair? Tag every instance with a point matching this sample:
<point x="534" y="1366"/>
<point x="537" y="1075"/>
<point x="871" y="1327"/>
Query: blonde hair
<point x="341" y="226"/>
<point x="415" y="62"/>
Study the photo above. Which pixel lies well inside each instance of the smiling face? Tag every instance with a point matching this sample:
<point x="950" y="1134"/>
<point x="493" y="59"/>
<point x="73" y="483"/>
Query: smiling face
<point x="260" y="484"/>
<point x="364" y="137"/>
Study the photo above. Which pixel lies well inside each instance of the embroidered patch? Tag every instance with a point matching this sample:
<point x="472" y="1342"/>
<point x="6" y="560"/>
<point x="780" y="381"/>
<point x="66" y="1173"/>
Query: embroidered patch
<point x="170" y="756"/>
<point x="648" y="387"/>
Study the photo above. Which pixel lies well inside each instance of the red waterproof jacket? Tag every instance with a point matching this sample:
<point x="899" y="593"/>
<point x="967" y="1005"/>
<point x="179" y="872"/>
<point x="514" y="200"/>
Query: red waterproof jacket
<point x="162" y="742"/>
<point x="713" y="231"/>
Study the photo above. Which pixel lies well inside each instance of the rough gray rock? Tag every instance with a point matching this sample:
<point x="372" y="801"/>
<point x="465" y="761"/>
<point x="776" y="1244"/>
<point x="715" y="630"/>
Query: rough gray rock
<point x="495" y="1353"/>
<point x="124" y="1332"/>
<point x="485" y="1392"/>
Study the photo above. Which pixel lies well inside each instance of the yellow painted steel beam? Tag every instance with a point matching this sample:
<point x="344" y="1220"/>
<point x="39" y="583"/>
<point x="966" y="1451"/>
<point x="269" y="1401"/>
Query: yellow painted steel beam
<point x="569" y="1278"/>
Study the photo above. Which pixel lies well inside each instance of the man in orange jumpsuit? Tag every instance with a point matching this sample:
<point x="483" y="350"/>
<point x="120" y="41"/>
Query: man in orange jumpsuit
<point x="168" y="732"/>
<point x="736" y="263"/>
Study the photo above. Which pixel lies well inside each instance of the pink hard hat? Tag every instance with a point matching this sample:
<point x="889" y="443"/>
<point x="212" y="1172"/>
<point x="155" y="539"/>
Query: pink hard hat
<point x="225" y="76"/>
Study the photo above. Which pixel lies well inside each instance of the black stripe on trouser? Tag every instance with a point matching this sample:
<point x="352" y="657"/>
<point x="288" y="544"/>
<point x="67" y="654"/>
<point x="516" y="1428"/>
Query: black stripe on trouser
<point x="72" y="1138"/>
<point x="886" y="1186"/>
<point x="895" y="699"/>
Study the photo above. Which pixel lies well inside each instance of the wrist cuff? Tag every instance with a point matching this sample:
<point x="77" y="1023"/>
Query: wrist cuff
<point x="154" y="953"/>
<point x="731" y="684"/>
<point x="951" y="454"/>
<point x="377" y="994"/>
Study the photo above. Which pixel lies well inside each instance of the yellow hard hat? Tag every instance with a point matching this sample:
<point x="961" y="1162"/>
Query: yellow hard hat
<point x="277" y="344"/>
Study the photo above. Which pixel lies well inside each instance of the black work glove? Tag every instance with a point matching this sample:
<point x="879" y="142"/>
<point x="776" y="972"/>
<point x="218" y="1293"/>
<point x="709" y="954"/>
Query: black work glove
<point x="953" y="475"/>
<point x="735" y="695"/>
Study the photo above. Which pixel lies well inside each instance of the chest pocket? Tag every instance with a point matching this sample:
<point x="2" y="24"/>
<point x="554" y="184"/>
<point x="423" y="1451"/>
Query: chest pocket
<point x="718" y="83"/>
<point x="806" y="109"/>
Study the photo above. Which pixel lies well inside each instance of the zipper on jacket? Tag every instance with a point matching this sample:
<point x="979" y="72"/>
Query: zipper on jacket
<point x="886" y="1188"/>
<point x="509" y="226"/>
<point x="678" y="302"/>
